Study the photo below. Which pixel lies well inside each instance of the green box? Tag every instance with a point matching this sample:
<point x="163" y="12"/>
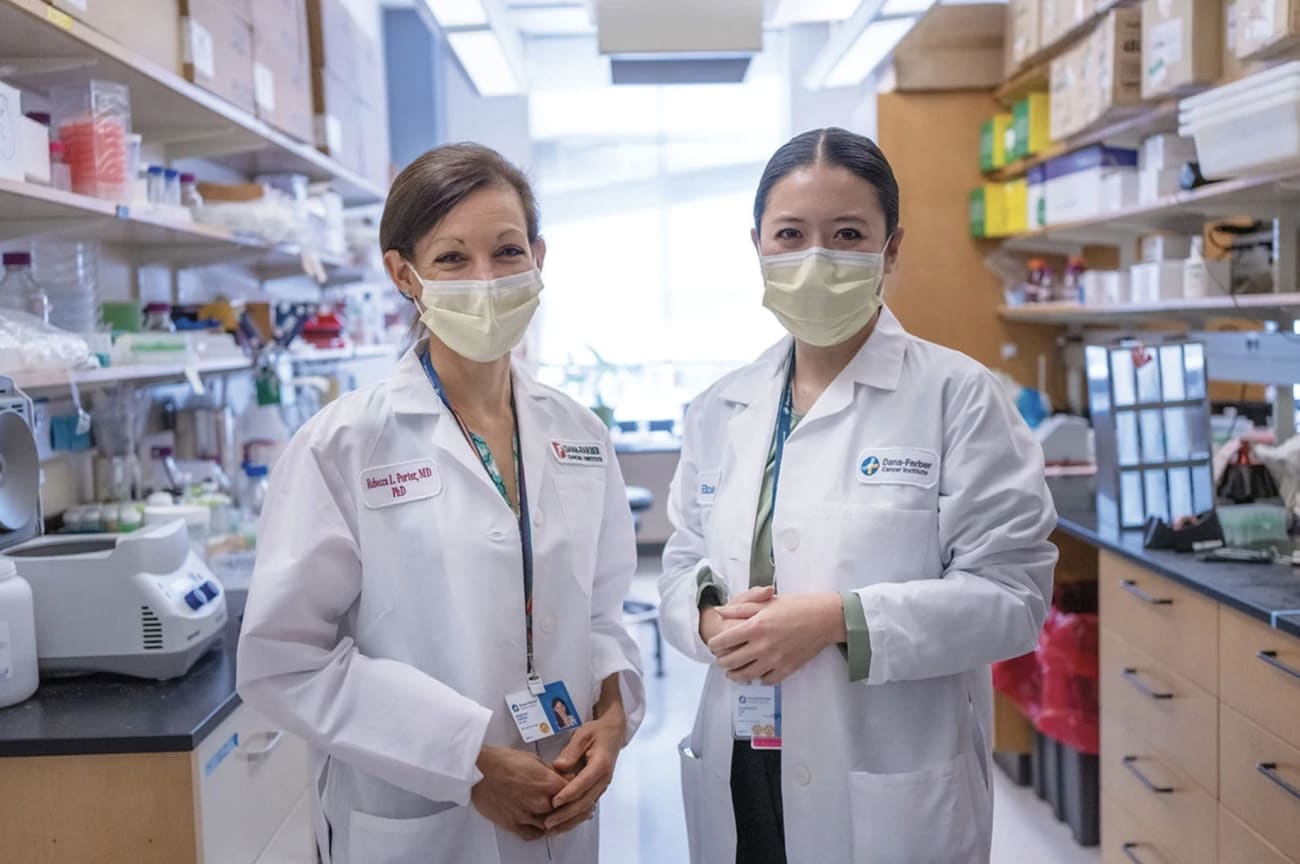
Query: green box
<point x="986" y="146"/>
<point x="977" y="212"/>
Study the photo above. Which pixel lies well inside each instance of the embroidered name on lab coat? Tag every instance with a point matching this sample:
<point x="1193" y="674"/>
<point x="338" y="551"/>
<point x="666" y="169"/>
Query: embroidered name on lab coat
<point x="578" y="452"/>
<point x="707" y="491"/>
<point x="400" y="483"/>
<point x="898" y="466"/>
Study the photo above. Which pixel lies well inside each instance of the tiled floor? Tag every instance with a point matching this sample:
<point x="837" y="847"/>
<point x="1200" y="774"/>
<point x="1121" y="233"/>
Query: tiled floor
<point x="641" y="815"/>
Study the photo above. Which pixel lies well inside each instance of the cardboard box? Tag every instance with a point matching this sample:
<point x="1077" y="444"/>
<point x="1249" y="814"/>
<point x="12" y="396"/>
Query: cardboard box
<point x="1036" y="200"/>
<point x="1266" y="27"/>
<point x="217" y="49"/>
<point x="1065" y="77"/>
<point x="1167" y="151"/>
<point x="1109" y="71"/>
<point x="282" y="67"/>
<point x="1031" y="126"/>
<point x="150" y="28"/>
<point x="349" y="91"/>
<point x="1025" y="36"/>
<point x="1182" y="45"/>
<point x="1016" y="194"/>
<point x="1055" y="20"/>
<point x="334" y="39"/>
<point x="339" y="130"/>
<point x="993" y="142"/>
<point x="11" y="134"/>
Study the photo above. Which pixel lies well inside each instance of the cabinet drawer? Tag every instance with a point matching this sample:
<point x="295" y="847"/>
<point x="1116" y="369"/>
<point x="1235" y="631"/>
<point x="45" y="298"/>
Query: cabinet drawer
<point x="1179" y="718"/>
<point x="1173" y="625"/>
<point x="1238" y="843"/>
<point x="1125" y="841"/>
<point x="1173" y="812"/>
<point x="1260" y="674"/>
<point x="1254" y="766"/>
<point x="249" y="775"/>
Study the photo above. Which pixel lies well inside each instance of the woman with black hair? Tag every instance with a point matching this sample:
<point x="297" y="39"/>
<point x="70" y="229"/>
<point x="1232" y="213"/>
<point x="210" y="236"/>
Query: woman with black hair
<point x="861" y="526"/>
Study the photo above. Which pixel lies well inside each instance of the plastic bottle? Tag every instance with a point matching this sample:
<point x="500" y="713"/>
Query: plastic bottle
<point x="60" y="173"/>
<point x="158" y="318"/>
<point x="256" y="483"/>
<point x="172" y="178"/>
<point x="18" y="674"/>
<point x="18" y="290"/>
<point x="157" y="184"/>
<point x="1196" y="276"/>
<point x="190" y="196"/>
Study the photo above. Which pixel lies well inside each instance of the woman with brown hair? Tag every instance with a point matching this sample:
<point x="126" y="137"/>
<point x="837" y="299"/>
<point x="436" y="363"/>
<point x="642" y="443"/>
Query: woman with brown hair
<point x="439" y="554"/>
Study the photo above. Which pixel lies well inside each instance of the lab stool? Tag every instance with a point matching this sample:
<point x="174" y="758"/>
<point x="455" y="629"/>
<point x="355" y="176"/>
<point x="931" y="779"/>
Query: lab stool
<point x="637" y="612"/>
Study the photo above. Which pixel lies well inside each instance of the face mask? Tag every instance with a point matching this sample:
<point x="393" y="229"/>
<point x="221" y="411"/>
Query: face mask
<point x="480" y="320"/>
<point x="823" y="297"/>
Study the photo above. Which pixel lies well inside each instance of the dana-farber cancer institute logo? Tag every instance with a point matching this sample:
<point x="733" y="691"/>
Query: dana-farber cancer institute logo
<point x="870" y="466"/>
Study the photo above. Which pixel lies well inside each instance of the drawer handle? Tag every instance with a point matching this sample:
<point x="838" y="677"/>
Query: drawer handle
<point x="273" y="740"/>
<point x="1127" y="849"/>
<point x="1131" y="676"/>
<point x="1131" y="587"/>
<point x="1130" y="762"/>
<point x="1269" y="770"/>
<point x="1270" y="657"/>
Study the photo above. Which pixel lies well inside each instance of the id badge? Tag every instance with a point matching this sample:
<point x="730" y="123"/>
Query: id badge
<point x="757" y="716"/>
<point x="542" y="715"/>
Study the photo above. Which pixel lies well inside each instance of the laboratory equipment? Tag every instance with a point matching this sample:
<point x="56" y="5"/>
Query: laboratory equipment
<point x="94" y="120"/>
<point x="158" y="318"/>
<point x="60" y="173"/>
<point x="139" y="604"/>
<point x="1151" y="417"/>
<point x="172" y="187"/>
<point x="190" y="196"/>
<point x="18" y="670"/>
<point x="68" y="271"/>
<point x="1066" y="440"/>
<point x="197" y="519"/>
<point x="253" y="495"/>
<point x="19" y="290"/>
<point x="157" y="184"/>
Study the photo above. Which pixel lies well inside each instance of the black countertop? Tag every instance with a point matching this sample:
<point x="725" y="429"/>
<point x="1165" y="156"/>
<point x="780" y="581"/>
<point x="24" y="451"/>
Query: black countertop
<point x="97" y="714"/>
<point x="1268" y="592"/>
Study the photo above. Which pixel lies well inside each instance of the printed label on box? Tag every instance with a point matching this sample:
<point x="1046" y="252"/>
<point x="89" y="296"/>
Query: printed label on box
<point x="1164" y="49"/>
<point x="198" y="50"/>
<point x="263" y="87"/>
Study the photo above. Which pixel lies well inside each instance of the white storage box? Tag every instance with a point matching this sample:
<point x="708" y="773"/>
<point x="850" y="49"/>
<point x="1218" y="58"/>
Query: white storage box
<point x="1202" y="278"/>
<point x="1076" y="184"/>
<point x="1105" y="287"/>
<point x="1165" y="247"/>
<point x="11" y="133"/>
<point x="1249" y="126"/>
<point x="1119" y="190"/>
<point x="1163" y="152"/>
<point x="36" y="151"/>
<point x="1153" y="281"/>
<point x="1037" y="201"/>
<point x="1154" y="186"/>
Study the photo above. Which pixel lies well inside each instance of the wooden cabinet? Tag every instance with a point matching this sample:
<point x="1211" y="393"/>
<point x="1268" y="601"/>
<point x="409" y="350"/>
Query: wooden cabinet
<point x="229" y="801"/>
<point x="1200" y="727"/>
<point x="1175" y="626"/>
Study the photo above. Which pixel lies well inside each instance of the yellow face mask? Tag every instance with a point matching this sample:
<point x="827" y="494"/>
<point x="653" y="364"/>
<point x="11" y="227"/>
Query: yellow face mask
<point x="822" y="296"/>
<point x="480" y="320"/>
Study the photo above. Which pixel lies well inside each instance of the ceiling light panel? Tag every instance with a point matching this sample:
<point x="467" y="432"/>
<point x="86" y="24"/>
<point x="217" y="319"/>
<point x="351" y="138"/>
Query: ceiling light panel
<point x="868" y="51"/>
<point x="810" y="11"/>
<point x="458" y="13"/>
<point x="485" y="62"/>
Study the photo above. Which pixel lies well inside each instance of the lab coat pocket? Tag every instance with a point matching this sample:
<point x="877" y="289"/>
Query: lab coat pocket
<point x="933" y="816"/>
<point x="458" y="834"/>
<point x="708" y="809"/>
<point x="888" y="545"/>
<point x="582" y="498"/>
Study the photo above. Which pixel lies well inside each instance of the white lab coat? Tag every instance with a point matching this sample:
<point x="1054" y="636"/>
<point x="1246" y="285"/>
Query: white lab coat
<point x="389" y="636"/>
<point x="953" y="568"/>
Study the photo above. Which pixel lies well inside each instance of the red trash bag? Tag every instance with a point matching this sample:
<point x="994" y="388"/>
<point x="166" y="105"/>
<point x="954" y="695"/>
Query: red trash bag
<point x="1067" y="660"/>
<point x="1020" y="681"/>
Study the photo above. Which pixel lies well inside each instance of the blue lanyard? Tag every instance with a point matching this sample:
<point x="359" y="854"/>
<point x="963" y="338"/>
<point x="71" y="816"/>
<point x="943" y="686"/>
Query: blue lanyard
<point x="525" y="526"/>
<point x="784" y="420"/>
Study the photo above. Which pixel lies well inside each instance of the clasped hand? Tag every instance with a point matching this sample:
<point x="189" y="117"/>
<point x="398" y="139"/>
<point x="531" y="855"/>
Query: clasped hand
<point x="522" y="794"/>
<point x="764" y="636"/>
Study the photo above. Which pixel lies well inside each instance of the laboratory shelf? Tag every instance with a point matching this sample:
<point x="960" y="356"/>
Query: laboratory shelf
<point x="1034" y="72"/>
<point x="41" y="47"/>
<point x="1253" y="306"/>
<point x="1162" y="117"/>
<point x="1264" y="196"/>
<point x="34" y="382"/>
<point x="350" y="352"/>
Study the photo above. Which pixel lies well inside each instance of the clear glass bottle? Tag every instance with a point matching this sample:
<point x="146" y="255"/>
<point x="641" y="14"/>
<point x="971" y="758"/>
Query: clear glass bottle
<point x="158" y="318"/>
<point x="190" y="196"/>
<point x="157" y="180"/>
<point x="18" y="290"/>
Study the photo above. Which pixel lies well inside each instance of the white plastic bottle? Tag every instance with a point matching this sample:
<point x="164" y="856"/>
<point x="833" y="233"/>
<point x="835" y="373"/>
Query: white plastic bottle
<point x="18" y="675"/>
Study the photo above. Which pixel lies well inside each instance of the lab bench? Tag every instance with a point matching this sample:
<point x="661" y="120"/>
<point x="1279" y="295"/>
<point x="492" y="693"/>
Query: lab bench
<point x="109" y="769"/>
<point x="1200" y="702"/>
